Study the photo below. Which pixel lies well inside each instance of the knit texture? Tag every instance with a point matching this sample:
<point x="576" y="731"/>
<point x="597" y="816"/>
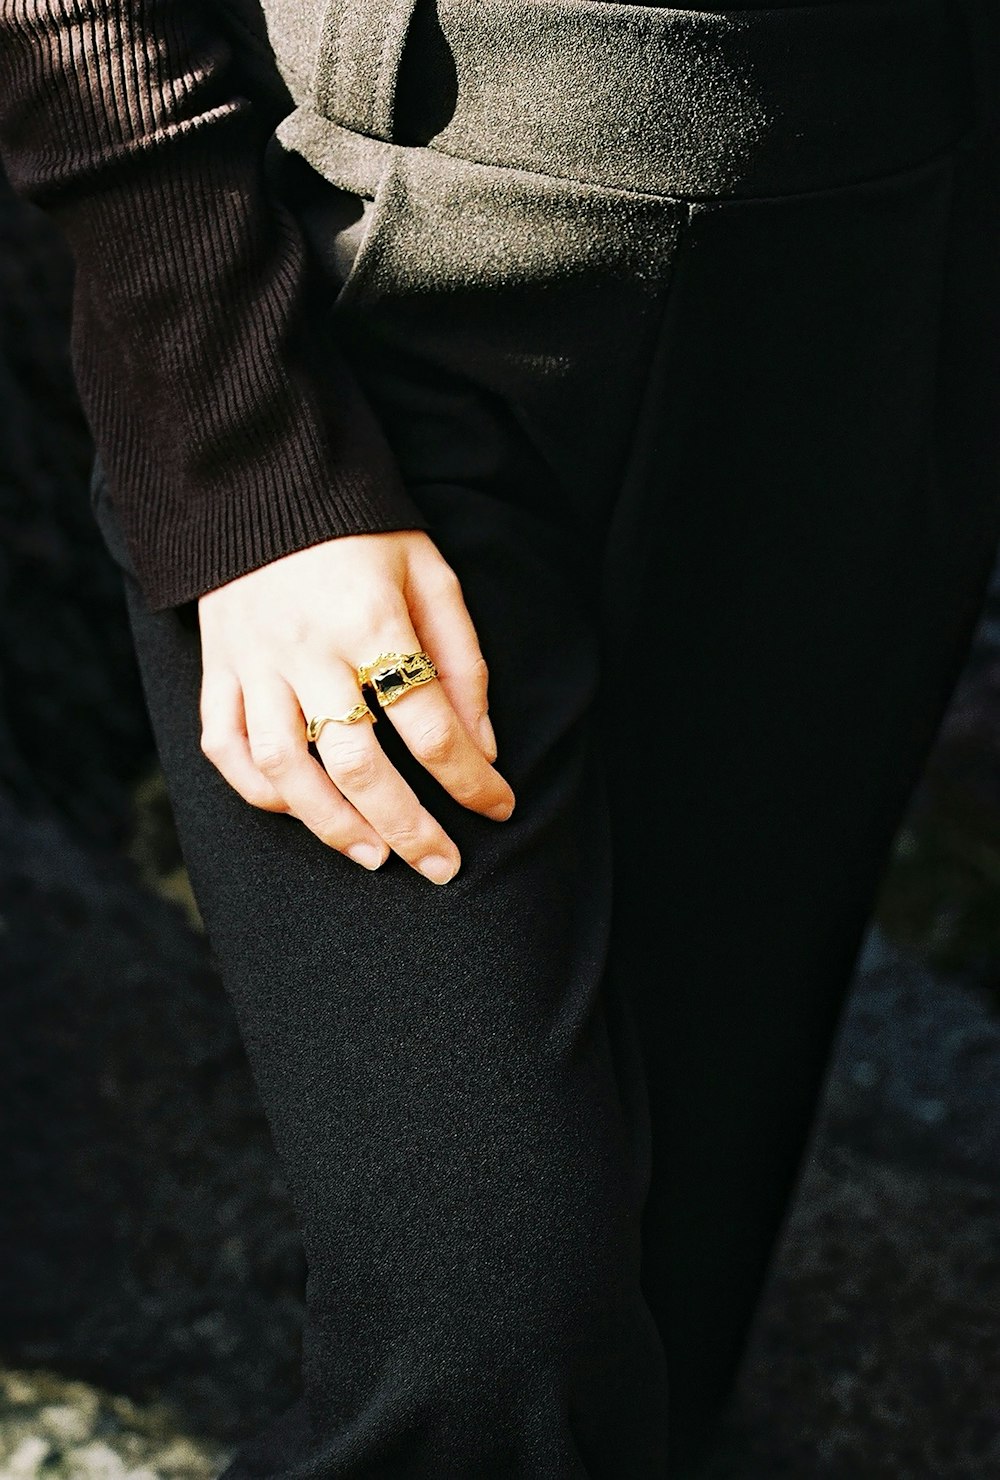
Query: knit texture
<point x="230" y="424"/>
<point x="229" y="429"/>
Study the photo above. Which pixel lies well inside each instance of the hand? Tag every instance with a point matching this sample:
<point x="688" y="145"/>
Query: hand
<point x="282" y="643"/>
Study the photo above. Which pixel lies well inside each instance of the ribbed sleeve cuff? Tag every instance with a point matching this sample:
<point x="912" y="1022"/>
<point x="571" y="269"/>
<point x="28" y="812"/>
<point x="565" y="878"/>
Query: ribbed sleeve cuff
<point x="177" y="553"/>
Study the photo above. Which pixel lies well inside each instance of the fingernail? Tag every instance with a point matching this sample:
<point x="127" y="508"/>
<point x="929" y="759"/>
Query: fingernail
<point x="367" y="854"/>
<point x="501" y="811"/>
<point x="487" y="738"/>
<point x="437" y="868"/>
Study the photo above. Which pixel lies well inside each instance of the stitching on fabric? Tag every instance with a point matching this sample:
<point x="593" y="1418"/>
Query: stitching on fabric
<point x="600" y="187"/>
<point x="367" y="110"/>
<point x="635" y="443"/>
<point x="711" y="199"/>
<point x="329" y="54"/>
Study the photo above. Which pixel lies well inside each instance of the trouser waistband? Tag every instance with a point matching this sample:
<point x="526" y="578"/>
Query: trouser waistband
<point x="666" y="101"/>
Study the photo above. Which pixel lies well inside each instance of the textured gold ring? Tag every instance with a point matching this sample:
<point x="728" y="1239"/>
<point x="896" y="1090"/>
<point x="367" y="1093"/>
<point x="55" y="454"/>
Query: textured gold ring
<point x="315" y="726"/>
<point x="392" y="674"/>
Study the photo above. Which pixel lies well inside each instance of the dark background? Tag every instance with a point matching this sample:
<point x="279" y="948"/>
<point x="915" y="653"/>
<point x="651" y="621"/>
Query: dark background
<point x="146" y="1248"/>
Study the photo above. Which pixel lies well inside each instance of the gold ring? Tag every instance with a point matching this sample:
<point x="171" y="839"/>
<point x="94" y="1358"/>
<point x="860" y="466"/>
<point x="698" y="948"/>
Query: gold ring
<point x="315" y="725"/>
<point x="392" y="674"/>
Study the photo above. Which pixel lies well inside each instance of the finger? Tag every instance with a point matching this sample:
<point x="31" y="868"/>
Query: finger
<point x="224" y="741"/>
<point x="279" y="750"/>
<point x="444" y="628"/>
<point x="363" y="773"/>
<point x="437" y="738"/>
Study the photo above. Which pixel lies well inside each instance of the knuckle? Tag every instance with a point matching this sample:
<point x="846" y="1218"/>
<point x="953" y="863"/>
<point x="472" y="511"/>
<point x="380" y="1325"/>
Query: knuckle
<point x="354" y="764"/>
<point x="263" y="797"/>
<point x="329" y="828"/>
<point x="447" y="582"/>
<point x="475" y="799"/>
<point x="472" y="793"/>
<point x="407" y="838"/>
<point x="436" y="742"/>
<point x="272" y="756"/>
<point x="215" y="743"/>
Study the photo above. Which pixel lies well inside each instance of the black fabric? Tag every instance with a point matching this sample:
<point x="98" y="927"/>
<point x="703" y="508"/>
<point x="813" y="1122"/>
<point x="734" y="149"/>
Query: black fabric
<point x="541" y="1125"/>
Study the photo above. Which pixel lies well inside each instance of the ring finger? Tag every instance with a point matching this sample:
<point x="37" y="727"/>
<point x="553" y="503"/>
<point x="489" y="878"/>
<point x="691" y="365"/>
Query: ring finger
<point x="278" y="748"/>
<point x="363" y="773"/>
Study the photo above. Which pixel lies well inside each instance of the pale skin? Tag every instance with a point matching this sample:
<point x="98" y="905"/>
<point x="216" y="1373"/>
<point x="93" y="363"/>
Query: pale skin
<point x="282" y="643"/>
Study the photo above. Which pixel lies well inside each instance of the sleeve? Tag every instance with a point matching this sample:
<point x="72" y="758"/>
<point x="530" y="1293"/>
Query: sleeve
<point x="230" y="430"/>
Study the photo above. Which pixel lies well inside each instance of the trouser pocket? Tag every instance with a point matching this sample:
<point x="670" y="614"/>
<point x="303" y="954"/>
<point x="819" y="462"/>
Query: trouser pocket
<point x="526" y="298"/>
<point x="797" y="414"/>
<point x="334" y="219"/>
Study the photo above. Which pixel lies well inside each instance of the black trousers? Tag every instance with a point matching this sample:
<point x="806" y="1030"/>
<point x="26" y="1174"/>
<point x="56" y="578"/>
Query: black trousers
<point x="721" y="480"/>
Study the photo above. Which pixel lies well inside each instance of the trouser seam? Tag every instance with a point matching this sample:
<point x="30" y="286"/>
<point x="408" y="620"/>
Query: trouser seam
<point x="627" y="507"/>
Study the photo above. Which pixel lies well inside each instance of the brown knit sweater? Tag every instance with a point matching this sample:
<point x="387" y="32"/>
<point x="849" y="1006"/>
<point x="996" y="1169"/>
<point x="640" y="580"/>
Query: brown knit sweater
<point x="229" y="431"/>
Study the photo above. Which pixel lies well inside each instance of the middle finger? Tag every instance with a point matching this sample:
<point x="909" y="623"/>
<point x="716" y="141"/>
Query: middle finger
<point x="437" y="738"/>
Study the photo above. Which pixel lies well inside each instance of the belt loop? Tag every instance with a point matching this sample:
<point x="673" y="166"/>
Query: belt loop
<point x="361" y="45"/>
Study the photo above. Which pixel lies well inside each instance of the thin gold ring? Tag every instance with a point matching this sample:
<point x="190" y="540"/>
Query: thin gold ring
<point x="360" y="711"/>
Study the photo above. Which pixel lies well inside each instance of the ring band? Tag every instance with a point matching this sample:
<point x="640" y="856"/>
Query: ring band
<point x="392" y="674"/>
<point x="360" y="711"/>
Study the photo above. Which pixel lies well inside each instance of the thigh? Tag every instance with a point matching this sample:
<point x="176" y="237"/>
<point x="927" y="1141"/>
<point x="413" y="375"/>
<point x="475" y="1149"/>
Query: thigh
<point x="449" y="1092"/>
<point x="340" y="972"/>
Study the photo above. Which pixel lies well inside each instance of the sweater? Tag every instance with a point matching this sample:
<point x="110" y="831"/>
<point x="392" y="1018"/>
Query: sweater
<point x="229" y="428"/>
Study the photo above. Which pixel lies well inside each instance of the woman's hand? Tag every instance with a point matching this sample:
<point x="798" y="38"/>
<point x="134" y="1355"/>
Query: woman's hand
<point x="282" y="643"/>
